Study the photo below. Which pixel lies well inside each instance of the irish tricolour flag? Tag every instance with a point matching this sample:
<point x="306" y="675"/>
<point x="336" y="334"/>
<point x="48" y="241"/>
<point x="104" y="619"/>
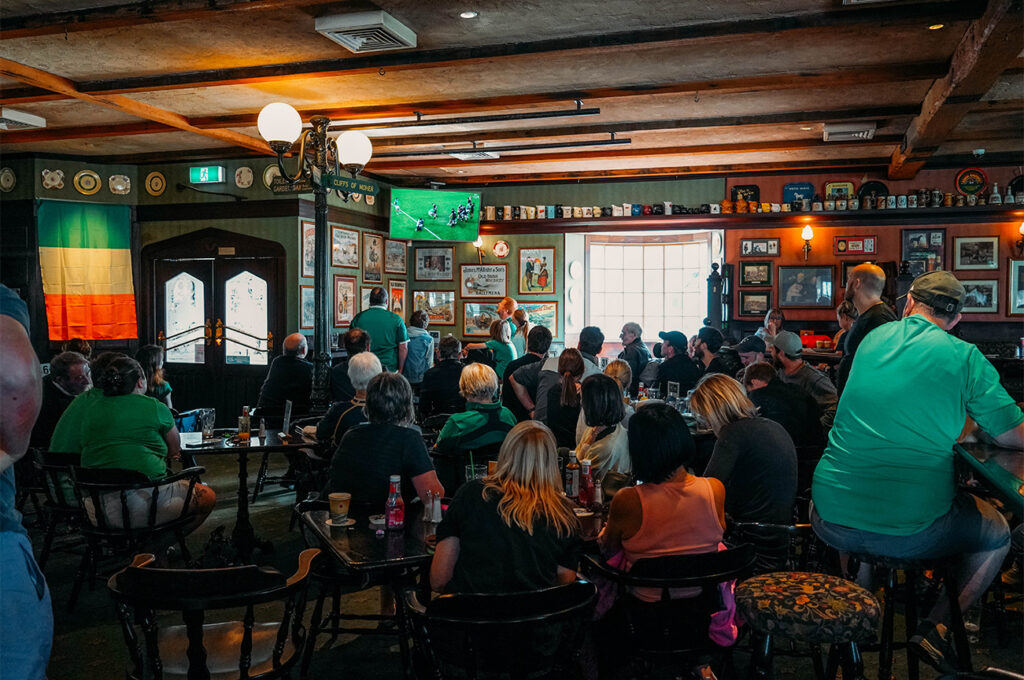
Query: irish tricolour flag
<point x="85" y="259"/>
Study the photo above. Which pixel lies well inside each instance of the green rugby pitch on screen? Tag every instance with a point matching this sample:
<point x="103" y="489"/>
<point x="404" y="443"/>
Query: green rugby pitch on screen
<point x="428" y="215"/>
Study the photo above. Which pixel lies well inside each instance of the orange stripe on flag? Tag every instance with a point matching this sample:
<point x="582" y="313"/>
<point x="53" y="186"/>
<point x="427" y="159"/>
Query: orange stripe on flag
<point x="94" y="317"/>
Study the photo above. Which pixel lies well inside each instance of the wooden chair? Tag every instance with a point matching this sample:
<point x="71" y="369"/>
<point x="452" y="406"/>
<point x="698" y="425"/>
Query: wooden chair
<point x="200" y="650"/>
<point x="61" y="505"/>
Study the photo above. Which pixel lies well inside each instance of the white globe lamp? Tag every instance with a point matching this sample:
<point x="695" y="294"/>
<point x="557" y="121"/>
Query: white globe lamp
<point x="354" y="150"/>
<point x="279" y="124"/>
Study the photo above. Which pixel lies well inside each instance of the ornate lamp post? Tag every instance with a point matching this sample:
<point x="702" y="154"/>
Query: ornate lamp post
<point x="281" y="125"/>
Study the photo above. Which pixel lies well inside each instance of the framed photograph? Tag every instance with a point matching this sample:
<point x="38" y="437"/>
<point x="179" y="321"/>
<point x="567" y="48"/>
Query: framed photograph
<point x="438" y="304"/>
<point x="364" y="298"/>
<point x="537" y="271"/>
<point x="845" y="268"/>
<point x="924" y="249"/>
<point x="307" y="239"/>
<point x="755" y="273"/>
<point x="344" y="247"/>
<point x="755" y="302"/>
<point x="344" y="300"/>
<point x="1015" y="284"/>
<point x="307" y="307"/>
<point x="982" y="296"/>
<point x="373" y="259"/>
<point x="543" y="314"/>
<point x="975" y="252"/>
<point x="434" y="264"/>
<point x="854" y="245"/>
<point x="396" y="297"/>
<point x="477" y="317"/>
<point x="759" y="247"/>
<point x="394" y="257"/>
<point x="806" y="287"/>
<point x="483" y="280"/>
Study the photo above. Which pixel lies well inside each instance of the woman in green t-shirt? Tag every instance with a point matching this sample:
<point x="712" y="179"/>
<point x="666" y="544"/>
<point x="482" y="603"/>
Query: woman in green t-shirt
<point x="501" y="344"/>
<point x="151" y="358"/>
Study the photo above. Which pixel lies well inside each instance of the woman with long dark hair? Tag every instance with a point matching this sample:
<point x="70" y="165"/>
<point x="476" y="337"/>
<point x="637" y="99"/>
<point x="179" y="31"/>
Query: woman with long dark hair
<point x="151" y="358"/>
<point x="564" y="398"/>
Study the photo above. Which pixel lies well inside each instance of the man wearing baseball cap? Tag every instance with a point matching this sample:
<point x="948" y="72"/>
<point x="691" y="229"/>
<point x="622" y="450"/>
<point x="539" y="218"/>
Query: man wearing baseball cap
<point x="885" y="484"/>
<point x="677" y="367"/>
<point x="795" y="371"/>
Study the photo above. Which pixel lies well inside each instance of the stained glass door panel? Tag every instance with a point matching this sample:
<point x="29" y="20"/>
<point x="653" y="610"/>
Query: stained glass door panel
<point x="245" y="319"/>
<point x="184" y="317"/>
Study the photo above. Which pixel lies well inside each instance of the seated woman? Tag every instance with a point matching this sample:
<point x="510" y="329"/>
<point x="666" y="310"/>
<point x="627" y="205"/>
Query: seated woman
<point x="846" y="314"/>
<point x="756" y="461"/>
<point x="500" y="343"/>
<point x="672" y="512"/>
<point x="619" y="371"/>
<point x="513" y="530"/>
<point x="344" y="415"/>
<point x="564" y="398"/>
<point x="370" y="453"/>
<point x="485" y="421"/>
<point x="151" y="358"/>
<point x="605" y="441"/>
<point x="127" y="430"/>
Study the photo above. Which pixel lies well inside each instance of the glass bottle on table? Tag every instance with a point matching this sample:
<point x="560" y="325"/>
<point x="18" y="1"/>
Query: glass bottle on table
<point x="394" y="509"/>
<point x="586" y="491"/>
<point x="572" y="477"/>
<point x="244" y="424"/>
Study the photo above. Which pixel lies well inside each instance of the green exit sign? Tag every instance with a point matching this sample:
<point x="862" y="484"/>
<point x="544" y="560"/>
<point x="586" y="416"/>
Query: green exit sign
<point x="206" y="174"/>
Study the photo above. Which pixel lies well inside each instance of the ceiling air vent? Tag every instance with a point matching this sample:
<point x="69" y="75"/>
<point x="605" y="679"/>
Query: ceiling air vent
<point x="848" y="132"/>
<point x="474" y="155"/>
<point x="19" y="120"/>
<point x="366" y="31"/>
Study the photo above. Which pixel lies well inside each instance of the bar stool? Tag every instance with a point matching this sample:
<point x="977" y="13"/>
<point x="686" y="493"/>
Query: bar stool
<point x="810" y="608"/>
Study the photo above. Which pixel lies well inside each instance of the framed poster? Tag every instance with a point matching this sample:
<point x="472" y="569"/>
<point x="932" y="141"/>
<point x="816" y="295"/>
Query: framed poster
<point x="307" y="307"/>
<point x="396" y="297"/>
<point x="373" y="259"/>
<point x="1015" y="284"/>
<point x="344" y="247"/>
<point x="755" y="273"/>
<point x="975" y="252"/>
<point x="438" y="304"/>
<point x="760" y="247"/>
<point x="543" y="314"/>
<point x="394" y="257"/>
<point x="854" y="245"/>
<point x="537" y="271"/>
<point x="924" y="249"/>
<point x="483" y="280"/>
<point x="364" y="298"/>
<point x="477" y="317"/>
<point x="806" y="286"/>
<point x="434" y="264"/>
<point x="982" y="296"/>
<point x="755" y="302"/>
<point x="307" y="240"/>
<point x="344" y="300"/>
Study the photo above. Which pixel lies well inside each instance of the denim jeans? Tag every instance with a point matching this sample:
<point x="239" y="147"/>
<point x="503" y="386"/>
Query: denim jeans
<point x="26" y="626"/>
<point x="972" y="532"/>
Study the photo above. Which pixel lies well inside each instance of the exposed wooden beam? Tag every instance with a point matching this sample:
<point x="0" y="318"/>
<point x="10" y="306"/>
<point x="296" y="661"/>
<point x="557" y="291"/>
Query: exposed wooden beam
<point x="39" y="78"/>
<point x="987" y="47"/>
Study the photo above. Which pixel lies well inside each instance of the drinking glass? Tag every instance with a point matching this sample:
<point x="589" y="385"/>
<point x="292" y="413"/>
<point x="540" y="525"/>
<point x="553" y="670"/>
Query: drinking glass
<point x="208" y="416"/>
<point x="477" y="471"/>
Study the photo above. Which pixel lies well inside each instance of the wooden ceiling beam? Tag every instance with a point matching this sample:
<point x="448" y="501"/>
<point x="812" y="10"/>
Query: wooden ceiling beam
<point x="988" y="46"/>
<point x="122" y="104"/>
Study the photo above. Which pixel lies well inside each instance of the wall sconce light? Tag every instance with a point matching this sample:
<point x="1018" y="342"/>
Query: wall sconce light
<point x="1020" y="242"/>
<point x="807" y="234"/>
<point x="479" y="245"/>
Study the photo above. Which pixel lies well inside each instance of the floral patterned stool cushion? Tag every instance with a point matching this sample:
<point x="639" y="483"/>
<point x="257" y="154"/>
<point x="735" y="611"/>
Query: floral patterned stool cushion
<point x="813" y="608"/>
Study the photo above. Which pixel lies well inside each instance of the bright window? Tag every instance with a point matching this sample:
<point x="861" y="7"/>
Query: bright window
<point x="183" y="319"/>
<point x="245" y="320"/>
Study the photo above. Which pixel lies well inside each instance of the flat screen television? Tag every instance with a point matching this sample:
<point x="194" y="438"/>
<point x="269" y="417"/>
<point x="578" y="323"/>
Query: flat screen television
<point x="431" y="215"/>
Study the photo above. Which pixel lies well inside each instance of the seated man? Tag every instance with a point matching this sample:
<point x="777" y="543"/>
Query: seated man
<point x="751" y="350"/>
<point x="356" y="341"/>
<point x="67" y="436"/>
<point x="538" y="342"/>
<point x="69" y="377"/>
<point x="886" y="484"/>
<point x="678" y="366"/>
<point x="708" y="352"/>
<point x="533" y="383"/>
<point x="788" y="351"/>
<point x="439" y="391"/>
<point x="290" y="378"/>
<point x="347" y="414"/>
<point x="485" y="422"/>
<point x="786" y="404"/>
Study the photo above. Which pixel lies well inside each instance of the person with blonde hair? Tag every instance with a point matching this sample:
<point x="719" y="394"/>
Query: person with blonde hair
<point x="754" y="458"/>
<point x="500" y="343"/>
<point x="513" y="530"/>
<point x="485" y="421"/>
<point x="564" y="398"/>
<point x="521" y="320"/>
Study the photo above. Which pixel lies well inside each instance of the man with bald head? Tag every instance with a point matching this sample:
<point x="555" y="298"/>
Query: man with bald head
<point x="290" y="378"/>
<point x="864" y="289"/>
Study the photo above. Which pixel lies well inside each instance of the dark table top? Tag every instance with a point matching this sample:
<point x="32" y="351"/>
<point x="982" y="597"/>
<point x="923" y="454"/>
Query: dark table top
<point x="359" y="548"/>
<point x="193" y="443"/>
<point x="1002" y="470"/>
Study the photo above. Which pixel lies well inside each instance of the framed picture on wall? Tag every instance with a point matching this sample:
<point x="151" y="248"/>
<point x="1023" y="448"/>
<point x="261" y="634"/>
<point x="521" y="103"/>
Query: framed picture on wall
<point x="755" y="273"/>
<point x="373" y="259"/>
<point x="396" y="297"/>
<point x="755" y="302"/>
<point x="307" y="307"/>
<point x="806" y="287"/>
<point x="975" y="252"/>
<point x="364" y="298"/>
<point x="344" y="300"/>
<point x="438" y="304"/>
<point x="854" y="245"/>
<point x="483" y="280"/>
<point x="434" y="264"/>
<point x="477" y="317"/>
<point x="982" y="296"/>
<point x="394" y="257"/>
<point x="1015" y="284"/>
<point x="760" y="247"/>
<point x="537" y="271"/>
<point x="924" y="249"/>
<point x="307" y="239"/>
<point x="344" y="247"/>
<point x="543" y="314"/>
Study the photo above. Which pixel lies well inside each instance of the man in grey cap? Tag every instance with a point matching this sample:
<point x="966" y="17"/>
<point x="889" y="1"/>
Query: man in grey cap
<point x="795" y="371"/>
<point x="677" y="367"/>
<point x="885" y="484"/>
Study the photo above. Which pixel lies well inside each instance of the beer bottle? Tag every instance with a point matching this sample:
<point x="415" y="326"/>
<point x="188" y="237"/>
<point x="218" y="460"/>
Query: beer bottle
<point x="244" y="426"/>
<point x="572" y="477"/>
<point x="394" y="509"/>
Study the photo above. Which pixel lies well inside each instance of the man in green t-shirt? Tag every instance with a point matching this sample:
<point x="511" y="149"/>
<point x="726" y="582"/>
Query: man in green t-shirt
<point x="389" y="339"/>
<point x="885" y="485"/>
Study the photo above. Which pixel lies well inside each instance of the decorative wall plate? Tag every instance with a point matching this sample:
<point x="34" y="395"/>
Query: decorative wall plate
<point x="358" y="198"/>
<point x="243" y="177"/>
<point x="501" y="249"/>
<point x="87" y="182"/>
<point x="54" y="179"/>
<point x="7" y="179"/>
<point x="370" y="200"/>
<point x="872" y="187"/>
<point x="269" y="173"/>
<point x="971" y="181"/>
<point x="156" y="183"/>
<point x="120" y="185"/>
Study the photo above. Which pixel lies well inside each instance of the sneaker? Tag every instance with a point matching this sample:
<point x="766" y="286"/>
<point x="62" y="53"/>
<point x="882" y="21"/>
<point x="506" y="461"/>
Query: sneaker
<point x="1012" y="576"/>
<point x="931" y="645"/>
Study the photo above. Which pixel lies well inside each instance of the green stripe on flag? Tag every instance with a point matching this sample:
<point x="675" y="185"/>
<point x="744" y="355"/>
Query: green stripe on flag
<point x="65" y="224"/>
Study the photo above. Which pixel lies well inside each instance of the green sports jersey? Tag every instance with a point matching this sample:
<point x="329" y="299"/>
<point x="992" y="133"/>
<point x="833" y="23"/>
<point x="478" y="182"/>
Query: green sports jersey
<point x="387" y="331"/>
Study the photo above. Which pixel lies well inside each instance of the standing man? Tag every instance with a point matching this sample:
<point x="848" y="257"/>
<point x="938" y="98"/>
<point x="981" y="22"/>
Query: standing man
<point x="505" y="309"/>
<point x="531" y="383"/>
<point x="389" y="339"/>
<point x="886" y="484"/>
<point x="69" y="377"/>
<point x="795" y="371"/>
<point x="538" y="342"/>
<point x="678" y="366"/>
<point x="634" y="352"/>
<point x="864" y="289"/>
<point x="290" y="378"/>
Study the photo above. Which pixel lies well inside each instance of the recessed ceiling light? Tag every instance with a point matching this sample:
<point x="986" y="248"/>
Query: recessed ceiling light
<point x="461" y="172"/>
<point x="935" y="27"/>
<point x="806" y="127"/>
<point x="469" y="14"/>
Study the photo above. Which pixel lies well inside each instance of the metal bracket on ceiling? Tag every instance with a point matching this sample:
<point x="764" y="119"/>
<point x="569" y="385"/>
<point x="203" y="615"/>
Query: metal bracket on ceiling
<point x="182" y="187"/>
<point x="579" y="104"/>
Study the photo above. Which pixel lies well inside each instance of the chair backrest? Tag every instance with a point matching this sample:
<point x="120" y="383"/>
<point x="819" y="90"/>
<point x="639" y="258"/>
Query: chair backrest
<point x="779" y="547"/>
<point x="56" y="470"/>
<point x="244" y="647"/>
<point x="529" y="634"/>
<point x="189" y="421"/>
